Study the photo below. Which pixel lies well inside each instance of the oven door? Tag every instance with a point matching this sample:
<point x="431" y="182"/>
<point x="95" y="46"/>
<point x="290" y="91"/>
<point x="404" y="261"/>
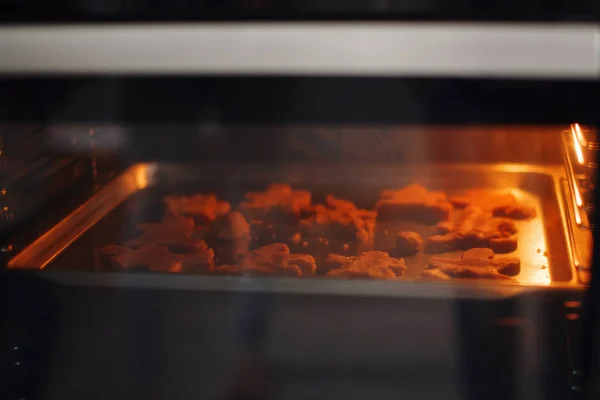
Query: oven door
<point x="100" y="121"/>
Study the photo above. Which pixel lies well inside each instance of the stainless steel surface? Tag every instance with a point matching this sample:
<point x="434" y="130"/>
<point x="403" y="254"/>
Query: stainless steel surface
<point x="356" y="49"/>
<point x="577" y="190"/>
<point x="538" y="186"/>
<point x="581" y="167"/>
<point x="576" y="179"/>
<point x="580" y="238"/>
<point x="53" y="242"/>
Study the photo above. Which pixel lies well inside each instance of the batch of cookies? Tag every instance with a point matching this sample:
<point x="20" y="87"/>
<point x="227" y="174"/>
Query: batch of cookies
<point x="280" y="231"/>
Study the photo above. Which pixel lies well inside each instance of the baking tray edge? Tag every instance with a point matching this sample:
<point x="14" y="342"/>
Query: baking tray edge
<point x="44" y="249"/>
<point x="140" y="176"/>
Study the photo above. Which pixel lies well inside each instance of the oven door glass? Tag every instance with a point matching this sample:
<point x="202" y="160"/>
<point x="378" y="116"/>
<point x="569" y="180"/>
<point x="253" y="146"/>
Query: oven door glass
<point x="260" y="225"/>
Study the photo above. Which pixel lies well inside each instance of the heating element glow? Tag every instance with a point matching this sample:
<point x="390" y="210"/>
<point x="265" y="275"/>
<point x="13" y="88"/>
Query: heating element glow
<point x="141" y="177"/>
<point x="580" y="137"/>
<point x="577" y="144"/>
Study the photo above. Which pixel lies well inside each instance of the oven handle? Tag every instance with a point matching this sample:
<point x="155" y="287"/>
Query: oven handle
<point x="540" y="51"/>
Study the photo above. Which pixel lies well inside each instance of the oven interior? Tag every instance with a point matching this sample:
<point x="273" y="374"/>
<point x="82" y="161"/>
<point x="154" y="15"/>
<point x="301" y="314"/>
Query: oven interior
<point x="83" y="165"/>
<point x="296" y="334"/>
<point x="94" y="188"/>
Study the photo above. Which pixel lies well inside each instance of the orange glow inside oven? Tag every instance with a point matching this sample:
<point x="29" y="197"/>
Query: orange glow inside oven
<point x="580" y="137"/>
<point x="578" y="142"/>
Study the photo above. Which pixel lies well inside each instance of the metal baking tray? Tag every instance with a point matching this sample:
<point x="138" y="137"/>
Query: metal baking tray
<point x="69" y="252"/>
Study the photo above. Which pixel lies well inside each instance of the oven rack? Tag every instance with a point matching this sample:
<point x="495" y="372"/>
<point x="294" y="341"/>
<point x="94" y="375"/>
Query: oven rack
<point x="580" y="151"/>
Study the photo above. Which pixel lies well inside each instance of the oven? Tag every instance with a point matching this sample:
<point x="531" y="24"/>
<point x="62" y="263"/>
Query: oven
<point x="284" y="200"/>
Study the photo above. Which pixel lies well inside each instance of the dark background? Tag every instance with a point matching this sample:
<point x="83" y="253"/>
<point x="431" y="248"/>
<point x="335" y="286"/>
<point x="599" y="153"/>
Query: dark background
<point x="193" y="10"/>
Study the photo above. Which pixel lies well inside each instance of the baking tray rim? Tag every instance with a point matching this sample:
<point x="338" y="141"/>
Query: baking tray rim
<point x="405" y="288"/>
<point x="142" y="175"/>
